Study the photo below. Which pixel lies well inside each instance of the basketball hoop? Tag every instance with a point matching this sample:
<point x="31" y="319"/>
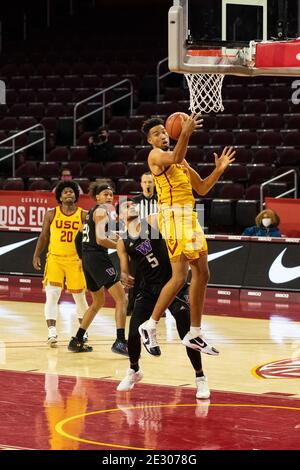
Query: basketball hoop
<point x="206" y="88"/>
<point x="205" y="92"/>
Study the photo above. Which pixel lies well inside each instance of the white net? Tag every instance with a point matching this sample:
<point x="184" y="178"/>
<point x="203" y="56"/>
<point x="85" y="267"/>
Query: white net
<point x="205" y="92"/>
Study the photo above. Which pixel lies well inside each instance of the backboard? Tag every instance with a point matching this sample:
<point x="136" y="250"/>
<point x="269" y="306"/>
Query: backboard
<point x="234" y="37"/>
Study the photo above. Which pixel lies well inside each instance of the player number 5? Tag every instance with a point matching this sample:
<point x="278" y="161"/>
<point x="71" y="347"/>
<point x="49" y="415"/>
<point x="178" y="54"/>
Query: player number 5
<point x="152" y="260"/>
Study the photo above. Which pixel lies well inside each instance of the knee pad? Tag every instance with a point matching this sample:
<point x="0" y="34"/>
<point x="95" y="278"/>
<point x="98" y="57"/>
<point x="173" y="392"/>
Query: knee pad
<point x="81" y="303"/>
<point x="52" y="297"/>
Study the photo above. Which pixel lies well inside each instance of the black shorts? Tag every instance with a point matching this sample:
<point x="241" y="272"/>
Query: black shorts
<point x="98" y="270"/>
<point x="144" y="304"/>
<point x="147" y="297"/>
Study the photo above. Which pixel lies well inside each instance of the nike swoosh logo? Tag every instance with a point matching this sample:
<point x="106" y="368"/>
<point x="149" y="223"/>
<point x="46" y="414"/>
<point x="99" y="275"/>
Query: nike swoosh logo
<point x="14" y="246"/>
<point x="279" y="274"/>
<point x="199" y="342"/>
<point x="214" y="256"/>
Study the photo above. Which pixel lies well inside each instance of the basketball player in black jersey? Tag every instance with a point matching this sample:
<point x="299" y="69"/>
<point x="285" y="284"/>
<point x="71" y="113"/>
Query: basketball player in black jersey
<point x="97" y="236"/>
<point x="143" y="243"/>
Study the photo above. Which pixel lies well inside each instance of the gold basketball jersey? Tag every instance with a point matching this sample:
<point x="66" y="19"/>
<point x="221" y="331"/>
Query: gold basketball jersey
<point x="173" y="186"/>
<point x="63" y="231"/>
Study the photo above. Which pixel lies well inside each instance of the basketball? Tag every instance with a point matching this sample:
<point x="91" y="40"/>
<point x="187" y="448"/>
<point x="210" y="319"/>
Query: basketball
<point x="174" y="123"/>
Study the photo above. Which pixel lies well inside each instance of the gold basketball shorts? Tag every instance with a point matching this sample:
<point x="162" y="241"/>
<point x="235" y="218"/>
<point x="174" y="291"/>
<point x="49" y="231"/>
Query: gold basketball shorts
<point x="64" y="270"/>
<point x="182" y="232"/>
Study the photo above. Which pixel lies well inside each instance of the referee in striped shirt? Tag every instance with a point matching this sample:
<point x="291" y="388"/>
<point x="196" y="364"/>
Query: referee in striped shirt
<point x="147" y="201"/>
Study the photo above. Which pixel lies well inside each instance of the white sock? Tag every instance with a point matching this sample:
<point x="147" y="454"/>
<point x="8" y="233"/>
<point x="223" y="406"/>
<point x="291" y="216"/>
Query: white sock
<point x="152" y="323"/>
<point x="195" y="331"/>
<point x="52" y="330"/>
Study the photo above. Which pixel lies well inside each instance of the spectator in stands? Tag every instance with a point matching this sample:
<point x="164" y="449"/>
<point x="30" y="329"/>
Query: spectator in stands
<point x="99" y="148"/>
<point x="66" y="175"/>
<point x="267" y="222"/>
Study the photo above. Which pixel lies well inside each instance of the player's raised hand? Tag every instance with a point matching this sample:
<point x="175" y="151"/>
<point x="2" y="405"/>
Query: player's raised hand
<point x="194" y="121"/>
<point x="226" y="158"/>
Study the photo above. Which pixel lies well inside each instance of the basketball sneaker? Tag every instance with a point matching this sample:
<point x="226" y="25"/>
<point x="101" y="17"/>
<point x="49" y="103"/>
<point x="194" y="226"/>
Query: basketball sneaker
<point x="77" y="346"/>
<point x="202" y="387"/>
<point x="120" y="348"/>
<point x="52" y="340"/>
<point x="200" y="344"/>
<point x="149" y="341"/>
<point x="130" y="380"/>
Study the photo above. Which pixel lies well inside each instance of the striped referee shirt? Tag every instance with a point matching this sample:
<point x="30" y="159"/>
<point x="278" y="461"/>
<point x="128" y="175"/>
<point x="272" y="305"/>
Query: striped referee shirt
<point x="147" y="205"/>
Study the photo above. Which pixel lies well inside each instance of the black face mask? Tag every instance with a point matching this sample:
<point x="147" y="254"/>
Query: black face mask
<point x="102" y="138"/>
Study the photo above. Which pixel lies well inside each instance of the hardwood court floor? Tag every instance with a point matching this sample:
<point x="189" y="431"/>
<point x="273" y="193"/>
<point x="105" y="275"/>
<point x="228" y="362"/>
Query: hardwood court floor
<point x="54" y="399"/>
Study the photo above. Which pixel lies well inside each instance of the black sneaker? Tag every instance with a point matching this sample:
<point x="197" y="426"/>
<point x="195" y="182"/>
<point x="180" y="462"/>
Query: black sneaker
<point x="120" y="348"/>
<point x="85" y="337"/>
<point x="148" y="336"/>
<point x="78" y="346"/>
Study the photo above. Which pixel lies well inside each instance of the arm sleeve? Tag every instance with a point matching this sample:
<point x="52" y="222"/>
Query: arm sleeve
<point x="78" y="244"/>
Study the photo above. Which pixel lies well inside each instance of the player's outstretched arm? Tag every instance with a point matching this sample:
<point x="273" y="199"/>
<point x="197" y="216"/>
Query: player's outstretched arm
<point x="203" y="186"/>
<point x="43" y="239"/>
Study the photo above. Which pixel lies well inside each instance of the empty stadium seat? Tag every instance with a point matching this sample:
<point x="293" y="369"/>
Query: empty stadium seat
<point x="115" y="170"/>
<point x="288" y="156"/>
<point x="249" y="121"/>
<point x="220" y="137"/>
<point x="58" y="154"/>
<point x="222" y="214"/>
<point x="13" y="184"/>
<point x="74" y="167"/>
<point x="259" y="173"/>
<point x="273" y="121"/>
<point x="236" y="172"/>
<point x="265" y="155"/>
<point x="48" y="169"/>
<point x="128" y="186"/>
<point x="269" y="137"/>
<point x="246" y="212"/>
<point x="92" y="170"/>
<point x="27" y="170"/>
<point x="124" y="153"/>
<point x="136" y="169"/>
<point x="245" y="137"/>
<point x="132" y="137"/>
<point x="231" y="191"/>
<point x="84" y="183"/>
<point x="38" y="184"/>
<point x="78" y="153"/>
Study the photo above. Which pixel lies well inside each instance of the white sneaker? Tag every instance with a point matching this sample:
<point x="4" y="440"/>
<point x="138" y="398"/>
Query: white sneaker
<point x="200" y="344"/>
<point x="130" y="380"/>
<point x="202" y="387"/>
<point x="149" y="340"/>
<point x="52" y="341"/>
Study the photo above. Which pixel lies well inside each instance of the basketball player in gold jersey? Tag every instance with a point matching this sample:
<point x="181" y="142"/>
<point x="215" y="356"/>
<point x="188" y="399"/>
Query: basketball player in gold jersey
<point x="60" y="227"/>
<point x="175" y="181"/>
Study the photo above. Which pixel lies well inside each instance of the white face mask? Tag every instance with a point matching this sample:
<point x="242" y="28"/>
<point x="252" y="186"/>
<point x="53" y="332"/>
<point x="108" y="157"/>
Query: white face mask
<point x="266" y="222"/>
